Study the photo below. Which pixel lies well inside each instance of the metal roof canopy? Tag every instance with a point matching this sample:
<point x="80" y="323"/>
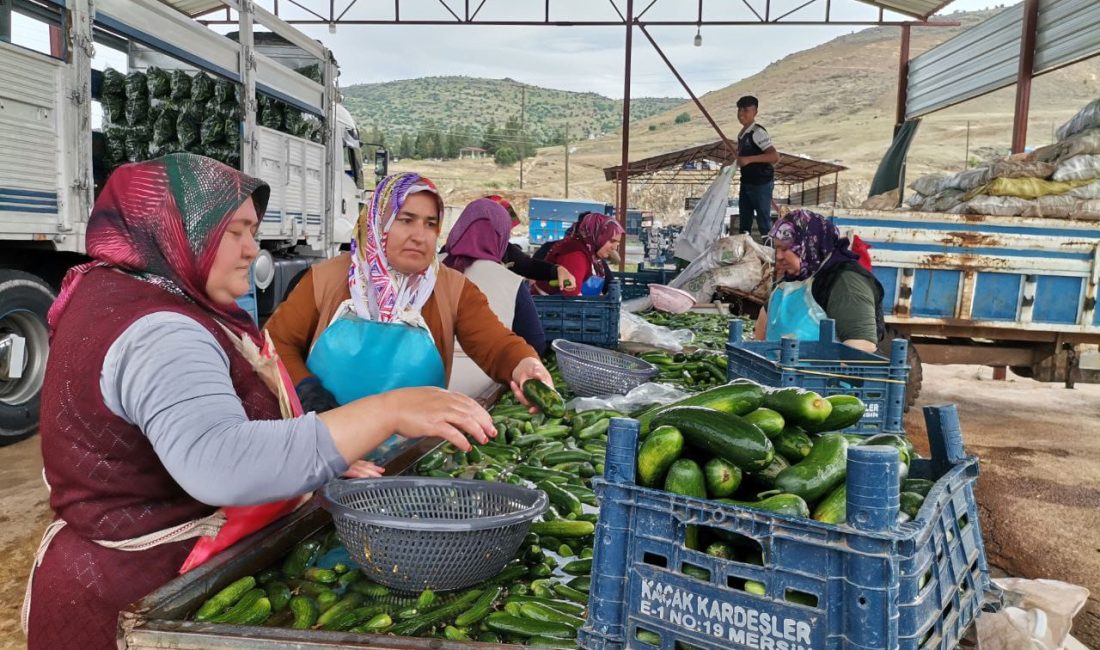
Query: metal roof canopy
<point x="468" y="12"/>
<point x="789" y="170"/>
<point x="1025" y="40"/>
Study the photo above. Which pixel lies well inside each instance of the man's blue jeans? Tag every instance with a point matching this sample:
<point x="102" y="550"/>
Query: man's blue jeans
<point x="756" y="200"/>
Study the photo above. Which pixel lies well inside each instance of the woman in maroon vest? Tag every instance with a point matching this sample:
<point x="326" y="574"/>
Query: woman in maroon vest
<point x="166" y="419"/>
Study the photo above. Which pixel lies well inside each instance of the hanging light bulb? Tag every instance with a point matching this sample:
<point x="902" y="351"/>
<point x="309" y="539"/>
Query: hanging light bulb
<point x="698" y="38"/>
<point x="332" y="28"/>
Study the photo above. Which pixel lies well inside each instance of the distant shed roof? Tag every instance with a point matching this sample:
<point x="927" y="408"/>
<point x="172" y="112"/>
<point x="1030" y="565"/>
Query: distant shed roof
<point x="790" y="169"/>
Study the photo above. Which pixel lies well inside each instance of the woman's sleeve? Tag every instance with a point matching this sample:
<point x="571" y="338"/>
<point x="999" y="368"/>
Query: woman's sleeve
<point x="526" y="320"/>
<point x="579" y="265"/>
<point x="524" y="265"/>
<point x="852" y="305"/>
<point x="292" y="327"/>
<point x="168" y="376"/>
<point x="496" y="349"/>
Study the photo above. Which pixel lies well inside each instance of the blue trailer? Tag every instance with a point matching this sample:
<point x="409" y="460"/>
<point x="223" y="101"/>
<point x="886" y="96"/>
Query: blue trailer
<point x="1000" y="291"/>
<point x="550" y="218"/>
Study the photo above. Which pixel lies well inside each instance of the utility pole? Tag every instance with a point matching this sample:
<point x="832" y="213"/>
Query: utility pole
<point x="522" y="131"/>
<point x="567" y="160"/>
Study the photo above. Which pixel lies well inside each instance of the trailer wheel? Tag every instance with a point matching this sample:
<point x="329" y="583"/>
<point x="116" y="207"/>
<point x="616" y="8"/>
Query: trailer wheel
<point x="24" y="342"/>
<point x="912" y="357"/>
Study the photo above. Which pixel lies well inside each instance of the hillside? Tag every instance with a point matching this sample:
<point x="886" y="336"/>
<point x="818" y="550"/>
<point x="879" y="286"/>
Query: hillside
<point x="447" y="103"/>
<point x="831" y="102"/>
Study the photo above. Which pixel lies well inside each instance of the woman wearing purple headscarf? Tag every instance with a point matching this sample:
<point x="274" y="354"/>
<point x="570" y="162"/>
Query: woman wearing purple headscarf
<point x="476" y="247"/>
<point x="821" y="278"/>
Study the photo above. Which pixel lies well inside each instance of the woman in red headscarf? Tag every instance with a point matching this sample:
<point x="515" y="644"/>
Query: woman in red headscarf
<point x="593" y="239"/>
<point x="170" y="429"/>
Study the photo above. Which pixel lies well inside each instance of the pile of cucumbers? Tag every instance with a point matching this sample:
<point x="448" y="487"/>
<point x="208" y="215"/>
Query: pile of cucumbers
<point x="711" y="330"/>
<point x="770" y="449"/>
<point x="693" y="371"/>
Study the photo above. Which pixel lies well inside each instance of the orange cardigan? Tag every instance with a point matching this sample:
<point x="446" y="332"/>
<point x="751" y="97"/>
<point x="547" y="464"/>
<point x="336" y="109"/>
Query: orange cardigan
<point x="456" y="309"/>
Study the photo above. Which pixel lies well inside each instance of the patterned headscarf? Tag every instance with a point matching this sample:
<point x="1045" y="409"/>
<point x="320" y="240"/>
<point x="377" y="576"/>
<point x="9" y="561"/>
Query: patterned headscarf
<point x="594" y="230"/>
<point x="481" y="233"/>
<point x="815" y="240"/>
<point x="378" y="291"/>
<point x="162" y="221"/>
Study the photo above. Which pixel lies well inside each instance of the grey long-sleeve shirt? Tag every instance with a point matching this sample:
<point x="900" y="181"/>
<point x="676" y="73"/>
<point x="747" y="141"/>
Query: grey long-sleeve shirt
<point x="170" y="377"/>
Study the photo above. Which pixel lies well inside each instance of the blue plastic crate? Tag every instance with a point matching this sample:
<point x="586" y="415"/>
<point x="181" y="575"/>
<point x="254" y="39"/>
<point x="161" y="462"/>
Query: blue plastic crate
<point x="828" y="367"/>
<point x="636" y="284"/>
<point x="582" y="319"/>
<point x="877" y="584"/>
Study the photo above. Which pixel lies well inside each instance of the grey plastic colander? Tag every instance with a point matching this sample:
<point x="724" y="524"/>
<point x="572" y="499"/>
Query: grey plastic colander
<point x="591" y="371"/>
<point x="413" y="533"/>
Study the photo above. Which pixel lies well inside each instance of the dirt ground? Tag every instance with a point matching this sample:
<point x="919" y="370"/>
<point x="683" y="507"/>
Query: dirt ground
<point x="1039" y="489"/>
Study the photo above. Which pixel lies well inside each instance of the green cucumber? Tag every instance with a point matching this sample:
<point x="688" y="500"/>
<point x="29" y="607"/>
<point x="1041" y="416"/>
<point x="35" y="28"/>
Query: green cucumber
<point x="243" y="608"/>
<point x="481" y="607"/>
<point x="846" y="411"/>
<point x="560" y="605"/>
<point x="910" y="503"/>
<point x="833" y="509"/>
<point x="581" y="583"/>
<point x="563" y="529"/>
<point x="279" y="595"/>
<point x="575" y="595"/>
<point x="578" y="567"/>
<point x="548" y="400"/>
<point x="722" y="550"/>
<point x="321" y="576"/>
<point x="508" y="624"/>
<point x="766" y="476"/>
<point x="721" y="435"/>
<point x="567" y="456"/>
<point x="904" y="447"/>
<point x="799" y="407"/>
<point x="349" y="602"/>
<point x="225" y="598"/>
<point x="452" y="633"/>
<point x="657" y="453"/>
<point x="920" y="486"/>
<point x="537" y="612"/>
<point x="820" y="472"/>
<point x="722" y="477"/>
<point x="418" y="624"/>
<point x="685" y="477"/>
<point x="793" y="444"/>
<point x="738" y="397"/>
<point x="301" y="558"/>
<point x="767" y="420"/>
<point x="783" y="504"/>
<point x="548" y="642"/>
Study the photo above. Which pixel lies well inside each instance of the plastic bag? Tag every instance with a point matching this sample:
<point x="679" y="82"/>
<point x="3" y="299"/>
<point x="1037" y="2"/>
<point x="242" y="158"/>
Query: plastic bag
<point x="181" y="86"/>
<point x="159" y="83"/>
<point x="1087" y="118"/>
<point x="637" y="330"/>
<point x="969" y="179"/>
<point x="884" y="201"/>
<point x="1055" y="205"/>
<point x="188" y="125"/>
<point x="1090" y="191"/>
<point x="916" y="201"/>
<point x="751" y="259"/>
<point x="1081" y="167"/>
<point x="1027" y="188"/>
<point x="202" y="88"/>
<point x="645" y="395"/>
<point x="164" y="127"/>
<point x="943" y="201"/>
<point x="930" y="184"/>
<point x="212" y="131"/>
<point x="1009" y="168"/>
<point x="1037" y="614"/>
<point x="1004" y="206"/>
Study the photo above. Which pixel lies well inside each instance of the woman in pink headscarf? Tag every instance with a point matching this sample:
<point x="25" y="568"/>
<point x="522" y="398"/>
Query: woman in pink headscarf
<point x="476" y="248"/>
<point x="583" y="253"/>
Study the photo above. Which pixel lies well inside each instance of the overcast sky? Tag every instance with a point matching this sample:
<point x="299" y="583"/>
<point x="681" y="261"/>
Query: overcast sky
<point x="585" y="58"/>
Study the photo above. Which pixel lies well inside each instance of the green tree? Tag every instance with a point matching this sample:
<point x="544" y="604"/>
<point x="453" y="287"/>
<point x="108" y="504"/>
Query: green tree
<point x="453" y="144"/>
<point x="407" y="146"/>
<point x="505" y="156"/>
<point x="490" y="139"/>
<point x="683" y="118"/>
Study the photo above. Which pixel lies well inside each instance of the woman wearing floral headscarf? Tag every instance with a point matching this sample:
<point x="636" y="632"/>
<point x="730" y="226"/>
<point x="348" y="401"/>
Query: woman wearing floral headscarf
<point x="822" y="278"/>
<point x="387" y="314"/>
<point x="592" y="240"/>
<point x="188" y="436"/>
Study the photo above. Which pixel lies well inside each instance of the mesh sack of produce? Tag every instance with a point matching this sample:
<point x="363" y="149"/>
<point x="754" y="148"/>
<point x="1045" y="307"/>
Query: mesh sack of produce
<point x="137" y="87"/>
<point x="188" y="125"/>
<point x="1081" y="167"/>
<point x="1090" y="191"/>
<point x="272" y="116"/>
<point x="164" y="127"/>
<point x="969" y="179"/>
<point x="159" y="83"/>
<point x="1058" y="205"/>
<point x="943" y="201"/>
<point x="181" y="86"/>
<point x="137" y="143"/>
<point x="930" y="184"/>
<point x="137" y="111"/>
<point x="202" y="88"/>
<point x="233" y="132"/>
<point x="916" y="201"/>
<point x="1086" y="142"/>
<point x="1003" y="206"/>
<point x="113" y="95"/>
<point x="225" y="91"/>
<point x="1014" y="168"/>
<point x="311" y="72"/>
<point x="116" y="144"/>
<point x="212" y="131"/>
<point x="312" y="128"/>
<point x="293" y="122"/>
<point x="224" y="153"/>
<point x="1087" y="118"/>
<point x="1028" y="188"/>
<point x="885" y="201"/>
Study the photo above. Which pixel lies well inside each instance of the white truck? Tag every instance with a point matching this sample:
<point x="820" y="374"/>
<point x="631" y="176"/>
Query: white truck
<point x="51" y="160"/>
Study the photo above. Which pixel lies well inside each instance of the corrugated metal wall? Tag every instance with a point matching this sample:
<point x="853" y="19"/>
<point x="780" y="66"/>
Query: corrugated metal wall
<point x="986" y="57"/>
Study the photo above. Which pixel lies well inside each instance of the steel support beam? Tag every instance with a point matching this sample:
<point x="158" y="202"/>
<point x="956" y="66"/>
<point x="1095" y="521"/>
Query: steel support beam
<point x="624" y="178"/>
<point x="732" y="148"/>
<point x="5" y="21"/>
<point x="903" y="75"/>
<point x="1026" y="72"/>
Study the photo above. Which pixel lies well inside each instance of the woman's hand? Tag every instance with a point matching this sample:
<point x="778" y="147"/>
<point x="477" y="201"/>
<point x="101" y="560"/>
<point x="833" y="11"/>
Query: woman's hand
<point x="438" y="413"/>
<point x="565" y="278"/>
<point x="529" y="368"/>
<point x="363" y="469"/>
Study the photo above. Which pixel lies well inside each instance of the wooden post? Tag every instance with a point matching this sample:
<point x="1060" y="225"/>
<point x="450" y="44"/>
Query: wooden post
<point x="1023" y="77"/>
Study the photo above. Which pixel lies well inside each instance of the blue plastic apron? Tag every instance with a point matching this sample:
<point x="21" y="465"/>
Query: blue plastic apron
<point x="792" y="311"/>
<point x="356" y="358"/>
